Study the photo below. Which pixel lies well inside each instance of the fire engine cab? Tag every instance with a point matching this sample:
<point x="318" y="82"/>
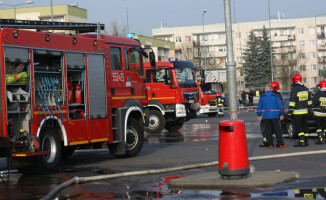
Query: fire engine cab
<point x="172" y="95"/>
<point x="63" y="91"/>
<point x="207" y="96"/>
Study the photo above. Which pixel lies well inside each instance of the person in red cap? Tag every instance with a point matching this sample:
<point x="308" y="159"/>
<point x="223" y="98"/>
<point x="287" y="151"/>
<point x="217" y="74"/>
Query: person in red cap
<point x="319" y="101"/>
<point x="276" y="88"/>
<point x="300" y="100"/>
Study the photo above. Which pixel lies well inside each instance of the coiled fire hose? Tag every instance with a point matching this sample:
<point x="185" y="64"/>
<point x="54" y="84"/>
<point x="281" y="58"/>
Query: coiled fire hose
<point x="77" y="180"/>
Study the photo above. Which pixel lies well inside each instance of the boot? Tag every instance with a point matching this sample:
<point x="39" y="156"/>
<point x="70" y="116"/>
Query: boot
<point x="306" y="141"/>
<point x="320" y="139"/>
<point x="264" y="144"/>
<point x="301" y="142"/>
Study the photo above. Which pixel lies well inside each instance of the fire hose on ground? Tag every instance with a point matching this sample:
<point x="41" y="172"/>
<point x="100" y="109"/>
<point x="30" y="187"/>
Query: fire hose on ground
<point x="77" y="180"/>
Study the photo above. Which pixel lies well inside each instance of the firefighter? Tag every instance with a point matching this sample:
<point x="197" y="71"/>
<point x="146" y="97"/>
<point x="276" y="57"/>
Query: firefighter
<point x="219" y="102"/>
<point x="300" y="100"/>
<point x="319" y="101"/>
<point x="276" y="87"/>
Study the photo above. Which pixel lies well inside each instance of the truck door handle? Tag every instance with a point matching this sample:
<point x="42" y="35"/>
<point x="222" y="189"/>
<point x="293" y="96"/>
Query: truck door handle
<point x="153" y="94"/>
<point x="132" y="90"/>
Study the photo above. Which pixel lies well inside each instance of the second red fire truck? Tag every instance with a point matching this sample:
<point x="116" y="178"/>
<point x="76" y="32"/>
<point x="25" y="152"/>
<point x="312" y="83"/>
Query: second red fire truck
<point x="172" y="95"/>
<point x="207" y="96"/>
<point x="62" y="91"/>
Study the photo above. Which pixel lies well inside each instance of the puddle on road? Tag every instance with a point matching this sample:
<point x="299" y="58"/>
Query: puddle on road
<point x="196" y="132"/>
<point x="161" y="191"/>
<point x="133" y="189"/>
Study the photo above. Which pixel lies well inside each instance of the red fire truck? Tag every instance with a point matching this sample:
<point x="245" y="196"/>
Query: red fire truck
<point x="63" y="91"/>
<point x="172" y="95"/>
<point x="207" y="96"/>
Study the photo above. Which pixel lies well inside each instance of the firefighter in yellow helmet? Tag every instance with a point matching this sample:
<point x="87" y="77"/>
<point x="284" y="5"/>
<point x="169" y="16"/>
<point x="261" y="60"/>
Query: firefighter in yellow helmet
<point x="300" y="100"/>
<point x="219" y="102"/>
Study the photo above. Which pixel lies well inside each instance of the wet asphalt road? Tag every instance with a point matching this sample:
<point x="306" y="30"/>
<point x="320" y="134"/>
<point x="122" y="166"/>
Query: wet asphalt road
<point x="196" y="142"/>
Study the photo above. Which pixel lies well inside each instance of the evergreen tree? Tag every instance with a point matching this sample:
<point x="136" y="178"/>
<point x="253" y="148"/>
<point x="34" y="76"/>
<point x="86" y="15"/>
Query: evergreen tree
<point x="263" y="69"/>
<point x="250" y="57"/>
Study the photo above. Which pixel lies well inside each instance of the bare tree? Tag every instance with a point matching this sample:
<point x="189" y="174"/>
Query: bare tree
<point x="187" y="51"/>
<point x="287" y="63"/>
<point x="116" y="31"/>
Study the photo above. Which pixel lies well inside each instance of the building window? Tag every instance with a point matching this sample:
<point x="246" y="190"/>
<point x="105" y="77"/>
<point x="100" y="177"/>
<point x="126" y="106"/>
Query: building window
<point x="291" y="56"/>
<point x="178" y="39"/>
<point x="239" y="48"/>
<point x="312" y="42"/>
<point x="311" y="31"/>
<point x="301" y="31"/>
<point x="221" y="36"/>
<point x="304" y="80"/>
<point x="238" y="35"/>
<point x="188" y="38"/>
<point x="239" y="60"/>
<point x="302" y="68"/>
<point x="313" y="68"/>
<point x="301" y="43"/>
<point x="203" y="37"/>
<point x="302" y="56"/>
<point x="312" y="55"/>
<point x="222" y="48"/>
<point x="189" y="50"/>
<point x="313" y="79"/>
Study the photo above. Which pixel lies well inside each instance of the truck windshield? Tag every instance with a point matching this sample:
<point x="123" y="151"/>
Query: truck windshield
<point x="210" y="88"/>
<point x="186" y="77"/>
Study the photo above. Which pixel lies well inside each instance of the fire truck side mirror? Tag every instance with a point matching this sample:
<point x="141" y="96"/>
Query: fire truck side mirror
<point x="202" y="76"/>
<point x="152" y="59"/>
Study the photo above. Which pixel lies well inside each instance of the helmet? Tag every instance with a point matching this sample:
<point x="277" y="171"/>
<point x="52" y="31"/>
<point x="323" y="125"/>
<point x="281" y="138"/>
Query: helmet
<point x="218" y="94"/>
<point x="322" y="84"/>
<point x="296" y="78"/>
<point x="275" y="85"/>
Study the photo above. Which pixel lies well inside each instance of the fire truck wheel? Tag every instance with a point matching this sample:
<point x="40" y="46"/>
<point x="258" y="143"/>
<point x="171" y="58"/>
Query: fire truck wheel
<point x="49" y="141"/>
<point x="134" y="138"/>
<point x="211" y="114"/>
<point x="156" y="122"/>
<point x="173" y="126"/>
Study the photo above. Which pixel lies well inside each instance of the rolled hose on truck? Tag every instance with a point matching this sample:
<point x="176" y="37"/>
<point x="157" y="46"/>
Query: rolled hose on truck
<point x="17" y="78"/>
<point x="77" y="180"/>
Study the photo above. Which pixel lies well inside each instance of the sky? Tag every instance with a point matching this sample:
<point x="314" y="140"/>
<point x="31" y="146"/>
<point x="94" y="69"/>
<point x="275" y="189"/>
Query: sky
<point x="145" y="15"/>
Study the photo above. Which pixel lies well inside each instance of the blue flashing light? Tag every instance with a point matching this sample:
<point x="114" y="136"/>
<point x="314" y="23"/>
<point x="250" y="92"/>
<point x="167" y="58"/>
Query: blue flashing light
<point x="171" y="60"/>
<point x="129" y="35"/>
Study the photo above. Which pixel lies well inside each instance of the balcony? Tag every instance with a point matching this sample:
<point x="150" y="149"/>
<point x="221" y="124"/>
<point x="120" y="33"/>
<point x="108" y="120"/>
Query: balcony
<point x="292" y="49"/>
<point x="322" y="59"/>
<point x="322" y="72"/>
<point x="291" y="37"/>
<point x="321" y="35"/>
<point x="322" y="47"/>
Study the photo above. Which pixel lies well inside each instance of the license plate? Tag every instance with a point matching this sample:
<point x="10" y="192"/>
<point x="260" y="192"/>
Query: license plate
<point x="191" y="101"/>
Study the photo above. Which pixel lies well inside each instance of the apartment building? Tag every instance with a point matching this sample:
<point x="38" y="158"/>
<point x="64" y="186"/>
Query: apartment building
<point x="164" y="50"/>
<point x="61" y="13"/>
<point x="299" y="45"/>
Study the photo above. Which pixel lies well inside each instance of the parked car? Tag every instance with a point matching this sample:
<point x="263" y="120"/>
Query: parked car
<point x="287" y="123"/>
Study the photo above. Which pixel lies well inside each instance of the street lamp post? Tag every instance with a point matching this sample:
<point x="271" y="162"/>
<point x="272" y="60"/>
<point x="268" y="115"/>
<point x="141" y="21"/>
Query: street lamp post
<point x="15" y="5"/>
<point x="270" y="37"/>
<point x="204" y="38"/>
<point x="51" y="5"/>
<point x="317" y="45"/>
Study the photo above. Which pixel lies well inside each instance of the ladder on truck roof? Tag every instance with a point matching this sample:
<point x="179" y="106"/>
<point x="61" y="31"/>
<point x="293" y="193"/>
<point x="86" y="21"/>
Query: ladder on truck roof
<point x="48" y="25"/>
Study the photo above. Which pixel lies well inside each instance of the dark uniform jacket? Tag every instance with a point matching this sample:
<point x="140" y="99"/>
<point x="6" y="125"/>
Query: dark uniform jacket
<point x="319" y="101"/>
<point x="279" y="95"/>
<point x="300" y="99"/>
